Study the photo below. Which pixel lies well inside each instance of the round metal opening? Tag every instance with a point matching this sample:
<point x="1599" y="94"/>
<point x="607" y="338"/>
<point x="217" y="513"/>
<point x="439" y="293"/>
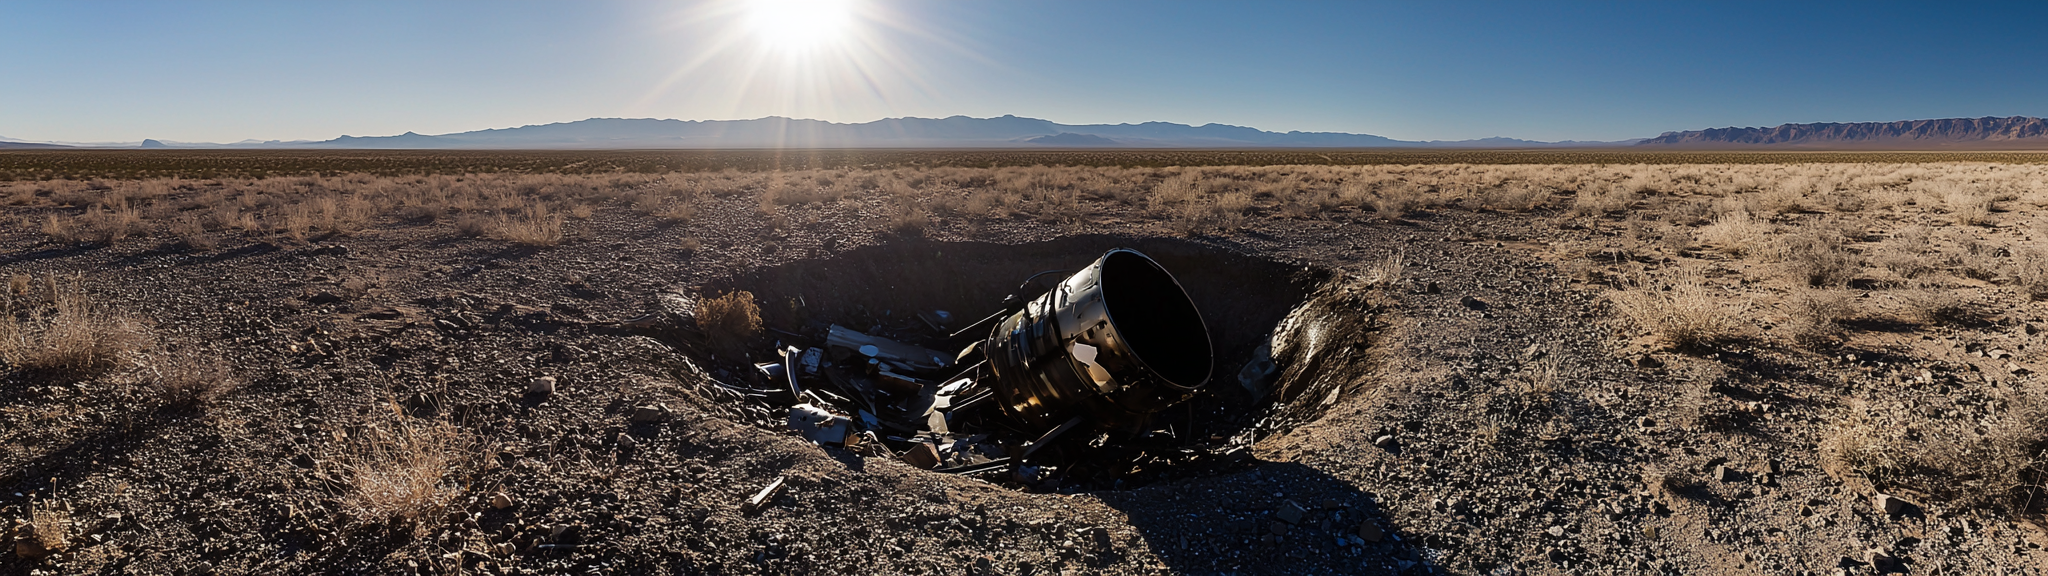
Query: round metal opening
<point x="1156" y="319"/>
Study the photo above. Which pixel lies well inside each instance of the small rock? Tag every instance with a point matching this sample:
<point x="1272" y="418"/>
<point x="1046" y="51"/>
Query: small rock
<point x="1384" y="441"/>
<point x="1371" y="532"/>
<point x="1893" y="505"/>
<point x="1473" y="303"/>
<point x="542" y="385"/>
<point x="501" y="501"/>
<point x="322" y="298"/>
<point x="1555" y="531"/>
<point x="1290" y="512"/>
<point x="1721" y="473"/>
<point x="647" y="414"/>
<point x="1278" y="528"/>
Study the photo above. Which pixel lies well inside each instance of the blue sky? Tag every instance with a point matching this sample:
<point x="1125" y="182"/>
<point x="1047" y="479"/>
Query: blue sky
<point x="102" y="70"/>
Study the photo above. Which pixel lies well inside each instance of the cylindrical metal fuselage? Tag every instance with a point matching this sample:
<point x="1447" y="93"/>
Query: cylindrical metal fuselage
<point x="1112" y="343"/>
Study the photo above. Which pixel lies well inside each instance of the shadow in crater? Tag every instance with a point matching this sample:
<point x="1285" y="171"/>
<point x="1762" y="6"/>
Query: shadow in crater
<point x="1270" y="518"/>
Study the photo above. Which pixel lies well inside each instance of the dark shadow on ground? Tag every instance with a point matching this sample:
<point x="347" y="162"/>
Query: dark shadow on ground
<point x="1248" y="523"/>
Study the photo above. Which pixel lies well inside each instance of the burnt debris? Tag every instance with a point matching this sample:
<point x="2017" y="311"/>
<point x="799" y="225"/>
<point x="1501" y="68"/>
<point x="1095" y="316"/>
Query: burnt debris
<point x="1069" y="389"/>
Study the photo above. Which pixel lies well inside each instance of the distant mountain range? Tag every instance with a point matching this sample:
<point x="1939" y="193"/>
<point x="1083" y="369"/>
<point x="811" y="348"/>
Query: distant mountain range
<point x="779" y="132"/>
<point x="952" y="132"/>
<point x="2017" y="132"/>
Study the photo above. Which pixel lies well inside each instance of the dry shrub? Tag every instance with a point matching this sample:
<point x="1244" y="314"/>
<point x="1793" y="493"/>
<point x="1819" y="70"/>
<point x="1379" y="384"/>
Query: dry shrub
<point x="909" y="221"/>
<point x="2030" y="271"/>
<point x="61" y="230"/>
<point x="1969" y="208"/>
<point x="47" y="530"/>
<point x="1680" y="309"/>
<point x="191" y="234"/>
<point x="646" y="204"/>
<point x="1522" y="198"/>
<point x="186" y="379"/>
<point x="1998" y="464"/>
<point x="1600" y="198"/>
<point x="729" y="321"/>
<point x="676" y="213"/>
<point x="401" y="474"/>
<point x="1929" y="304"/>
<point x="1398" y="199"/>
<point x="1816" y="317"/>
<point x="691" y="244"/>
<point x="533" y="227"/>
<point x="1387" y="271"/>
<point x="1818" y="261"/>
<point x="472" y="224"/>
<point x="73" y="337"/>
<point x="1736" y="233"/>
<point x="1907" y="262"/>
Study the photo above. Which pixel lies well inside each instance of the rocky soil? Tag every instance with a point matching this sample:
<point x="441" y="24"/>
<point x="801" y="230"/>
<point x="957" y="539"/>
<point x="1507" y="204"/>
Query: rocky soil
<point x="1508" y="423"/>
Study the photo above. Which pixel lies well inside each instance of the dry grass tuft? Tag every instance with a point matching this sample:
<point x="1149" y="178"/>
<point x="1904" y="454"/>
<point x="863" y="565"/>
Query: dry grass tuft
<point x="1387" y="271"/>
<point x="909" y="221"/>
<point x="1819" y="261"/>
<point x="472" y="225"/>
<point x="1680" y="310"/>
<point x="1998" y="464"/>
<point x="534" y="226"/>
<point x="72" y="337"/>
<point x="1736" y="233"/>
<point x="47" y="530"/>
<point x="185" y="379"/>
<point x="1816" y="317"/>
<point x="2030" y="271"/>
<point x="729" y="321"/>
<point x="401" y="474"/>
<point x="1929" y="304"/>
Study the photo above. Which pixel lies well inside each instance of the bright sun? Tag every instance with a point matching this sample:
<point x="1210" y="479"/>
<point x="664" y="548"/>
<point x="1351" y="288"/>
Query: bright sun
<point x="799" y="24"/>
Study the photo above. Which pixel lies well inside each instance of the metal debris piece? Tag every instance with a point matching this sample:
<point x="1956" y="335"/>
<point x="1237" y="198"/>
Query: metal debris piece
<point x="1257" y="373"/>
<point x="922" y="455"/>
<point x="818" y="424"/>
<point x="1114" y="342"/>
<point x="762" y="498"/>
<point x="848" y="341"/>
<point x="810" y="361"/>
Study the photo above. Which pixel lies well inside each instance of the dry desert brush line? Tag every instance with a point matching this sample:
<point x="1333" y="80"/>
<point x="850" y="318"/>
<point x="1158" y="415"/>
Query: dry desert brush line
<point x="1680" y="309"/>
<point x="70" y="336"/>
<point x="729" y="321"/>
<point x="400" y="473"/>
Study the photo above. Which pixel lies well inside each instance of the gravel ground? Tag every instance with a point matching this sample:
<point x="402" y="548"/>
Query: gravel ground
<point x="1501" y="422"/>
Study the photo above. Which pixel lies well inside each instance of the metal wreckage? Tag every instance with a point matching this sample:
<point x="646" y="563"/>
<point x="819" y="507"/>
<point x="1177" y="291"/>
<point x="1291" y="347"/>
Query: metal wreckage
<point x="1065" y="390"/>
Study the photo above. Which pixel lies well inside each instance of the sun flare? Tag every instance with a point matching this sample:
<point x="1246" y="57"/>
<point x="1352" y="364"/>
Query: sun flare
<point x="799" y="24"/>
